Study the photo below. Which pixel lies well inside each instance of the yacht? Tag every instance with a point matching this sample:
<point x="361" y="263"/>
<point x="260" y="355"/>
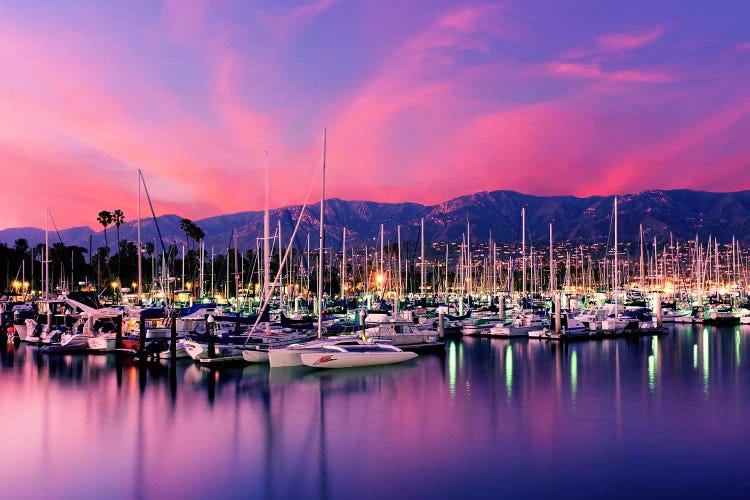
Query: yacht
<point x="405" y="335"/>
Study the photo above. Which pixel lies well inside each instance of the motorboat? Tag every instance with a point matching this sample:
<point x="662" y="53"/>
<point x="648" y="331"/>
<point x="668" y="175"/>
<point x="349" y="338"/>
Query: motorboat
<point x="356" y="355"/>
<point x="521" y="325"/>
<point x="406" y="336"/>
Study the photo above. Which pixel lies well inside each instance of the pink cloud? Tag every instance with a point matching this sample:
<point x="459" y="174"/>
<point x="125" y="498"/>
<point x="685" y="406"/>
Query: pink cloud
<point x="595" y="71"/>
<point x="285" y="21"/>
<point x="629" y="41"/>
<point x="743" y="46"/>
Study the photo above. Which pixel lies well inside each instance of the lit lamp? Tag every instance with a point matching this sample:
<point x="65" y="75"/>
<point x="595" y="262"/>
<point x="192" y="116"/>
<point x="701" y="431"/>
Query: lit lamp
<point x="188" y="285"/>
<point x="114" y="288"/>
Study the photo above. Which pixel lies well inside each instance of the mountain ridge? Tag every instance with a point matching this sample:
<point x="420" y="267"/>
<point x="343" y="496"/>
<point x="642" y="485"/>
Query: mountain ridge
<point x="681" y="212"/>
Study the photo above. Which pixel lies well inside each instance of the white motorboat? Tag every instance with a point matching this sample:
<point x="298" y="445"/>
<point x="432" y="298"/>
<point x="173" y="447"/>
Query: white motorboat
<point x="180" y="351"/>
<point x="406" y="335"/>
<point x="521" y="325"/>
<point x="352" y="356"/>
<point x="258" y="346"/>
<point x="478" y="326"/>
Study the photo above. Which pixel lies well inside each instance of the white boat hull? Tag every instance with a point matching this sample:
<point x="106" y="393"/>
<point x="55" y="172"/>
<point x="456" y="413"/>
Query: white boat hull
<point x="255" y="356"/>
<point x="354" y="359"/>
<point x="285" y="358"/>
<point x="102" y="343"/>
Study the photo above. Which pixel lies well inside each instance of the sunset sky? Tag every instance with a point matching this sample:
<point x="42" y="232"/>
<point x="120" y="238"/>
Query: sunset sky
<point x="423" y="101"/>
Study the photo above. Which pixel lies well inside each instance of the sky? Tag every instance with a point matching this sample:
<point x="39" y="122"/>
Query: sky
<point x="422" y="101"/>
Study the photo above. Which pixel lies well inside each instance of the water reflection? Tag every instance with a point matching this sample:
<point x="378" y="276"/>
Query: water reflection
<point x="533" y="409"/>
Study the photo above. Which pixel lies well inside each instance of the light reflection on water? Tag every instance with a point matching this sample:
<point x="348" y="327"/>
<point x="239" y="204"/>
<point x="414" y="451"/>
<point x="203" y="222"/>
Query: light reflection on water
<point x="530" y="416"/>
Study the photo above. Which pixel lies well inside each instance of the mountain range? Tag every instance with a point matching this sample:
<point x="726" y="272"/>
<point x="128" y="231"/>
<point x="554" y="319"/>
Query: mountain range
<point x="683" y="213"/>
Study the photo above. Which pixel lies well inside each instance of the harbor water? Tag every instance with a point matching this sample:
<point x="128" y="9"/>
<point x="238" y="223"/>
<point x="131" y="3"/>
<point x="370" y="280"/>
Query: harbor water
<point x="647" y="417"/>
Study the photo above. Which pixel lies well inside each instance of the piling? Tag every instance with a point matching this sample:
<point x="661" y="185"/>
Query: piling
<point x="210" y="329"/>
<point x="441" y="324"/>
<point x="558" y="314"/>
<point x="657" y="309"/>
<point x="173" y="339"/>
<point x="118" y="332"/>
<point x="362" y="319"/>
<point x="142" y="334"/>
<point x="501" y="307"/>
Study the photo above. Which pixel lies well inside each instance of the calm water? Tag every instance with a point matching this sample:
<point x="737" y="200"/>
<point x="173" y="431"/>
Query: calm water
<point x="648" y="417"/>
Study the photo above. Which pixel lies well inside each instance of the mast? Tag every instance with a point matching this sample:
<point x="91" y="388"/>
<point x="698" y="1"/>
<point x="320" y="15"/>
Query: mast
<point x="421" y="263"/>
<point x="281" y="278"/>
<point x="446" y="270"/>
<point x="614" y="275"/>
<point x="468" y="257"/>
<point x="140" y="264"/>
<point x="320" y="254"/>
<point x="236" y="274"/>
<point x="343" y="265"/>
<point x="523" y="250"/>
<point x="266" y="243"/>
<point x="46" y="260"/>
<point x="551" y="262"/>
<point x="381" y="278"/>
<point x="643" y="277"/>
<point x="398" y="237"/>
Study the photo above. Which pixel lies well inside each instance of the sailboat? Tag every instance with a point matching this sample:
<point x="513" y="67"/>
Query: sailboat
<point x="300" y="354"/>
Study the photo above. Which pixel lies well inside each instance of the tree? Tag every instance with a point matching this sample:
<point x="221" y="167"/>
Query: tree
<point x="105" y="218"/>
<point x="118" y="217"/>
<point x="21" y="246"/>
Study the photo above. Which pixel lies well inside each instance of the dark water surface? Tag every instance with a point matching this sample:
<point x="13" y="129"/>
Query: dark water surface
<point x="651" y="417"/>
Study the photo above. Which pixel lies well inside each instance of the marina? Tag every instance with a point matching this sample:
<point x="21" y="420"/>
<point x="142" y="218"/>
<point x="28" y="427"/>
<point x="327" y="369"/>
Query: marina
<point x="325" y="249"/>
<point x="522" y="416"/>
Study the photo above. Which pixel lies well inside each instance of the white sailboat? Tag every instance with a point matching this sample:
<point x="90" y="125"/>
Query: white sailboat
<point x="294" y="354"/>
<point x="352" y="356"/>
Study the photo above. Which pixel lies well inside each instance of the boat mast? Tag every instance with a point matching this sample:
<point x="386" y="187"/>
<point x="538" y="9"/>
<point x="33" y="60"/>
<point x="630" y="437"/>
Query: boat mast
<point x="523" y="250"/>
<point x="140" y="264"/>
<point x="281" y="278"/>
<point x="551" y="262"/>
<point x="320" y="254"/>
<point x="343" y="265"/>
<point x="446" y="272"/>
<point x="614" y="275"/>
<point x="398" y="236"/>
<point x="46" y="262"/>
<point x="421" y="263"/>
<point x="266" y="243"/>
<point x="381" y="278"/>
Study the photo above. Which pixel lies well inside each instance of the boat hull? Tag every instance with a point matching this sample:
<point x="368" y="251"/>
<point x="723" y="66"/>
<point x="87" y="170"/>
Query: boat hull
<point x="255" y="356"/>
<point x="354" y="359"/>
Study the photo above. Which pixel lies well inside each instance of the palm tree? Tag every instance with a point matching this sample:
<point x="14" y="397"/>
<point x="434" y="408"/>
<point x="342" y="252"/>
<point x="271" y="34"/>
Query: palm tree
<point x="118" y="217"/>
<point x="21" y="246"/>
<point x="105" y="219"/>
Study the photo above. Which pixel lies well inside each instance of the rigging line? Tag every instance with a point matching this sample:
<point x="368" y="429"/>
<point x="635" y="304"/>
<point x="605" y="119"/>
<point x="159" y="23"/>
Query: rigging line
<point x="55" y="226"/>
<point x="266" y="300"/>
<point x="153" y="213"/>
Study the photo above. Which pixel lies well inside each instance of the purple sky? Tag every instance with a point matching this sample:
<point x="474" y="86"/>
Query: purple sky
<point x="423" y="101"/>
